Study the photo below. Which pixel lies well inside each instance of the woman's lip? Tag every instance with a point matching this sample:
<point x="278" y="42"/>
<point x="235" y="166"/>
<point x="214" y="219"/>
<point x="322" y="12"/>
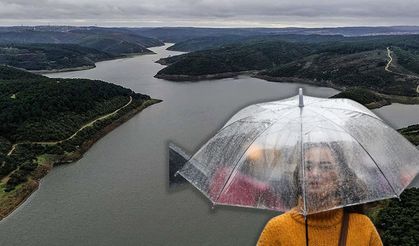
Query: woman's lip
<point x="314" y="187"/>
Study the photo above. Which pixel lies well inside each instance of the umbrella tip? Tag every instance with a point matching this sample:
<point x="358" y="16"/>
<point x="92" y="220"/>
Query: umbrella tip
<point x="300" y="96"/>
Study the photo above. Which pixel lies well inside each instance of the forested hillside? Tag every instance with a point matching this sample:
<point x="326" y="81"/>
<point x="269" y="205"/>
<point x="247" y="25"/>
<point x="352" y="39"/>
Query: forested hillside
<point x="397" y="220"/>
<point x="411" y="133"/>
<point x="250" y="56"/>
<point x="50" y="120"/>
<point x="181" y="34"/>
<point x="67" y="48"/>
<point x="123" y="40"/>
<point x="336" y="61"/>
<point x="50" y="56"/>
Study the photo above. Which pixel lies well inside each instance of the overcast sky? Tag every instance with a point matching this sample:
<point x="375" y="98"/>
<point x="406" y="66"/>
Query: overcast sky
<point x="213" y="13"/>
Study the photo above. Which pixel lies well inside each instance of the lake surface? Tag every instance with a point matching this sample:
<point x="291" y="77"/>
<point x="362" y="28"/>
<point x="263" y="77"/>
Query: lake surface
<point x="118" y="194"/>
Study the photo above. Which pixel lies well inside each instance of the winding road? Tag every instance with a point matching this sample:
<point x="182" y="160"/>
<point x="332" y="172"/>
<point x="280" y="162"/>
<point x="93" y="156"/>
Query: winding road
<point x="388" y="70"/>
<point x="75" y="134"/>
<point x="389" y="61"/>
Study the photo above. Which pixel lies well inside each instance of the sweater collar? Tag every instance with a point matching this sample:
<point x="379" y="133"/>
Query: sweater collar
<point x="322" y="219"/>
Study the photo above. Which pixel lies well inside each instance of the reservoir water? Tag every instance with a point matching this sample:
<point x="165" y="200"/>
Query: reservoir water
<point x="118" y="194"/>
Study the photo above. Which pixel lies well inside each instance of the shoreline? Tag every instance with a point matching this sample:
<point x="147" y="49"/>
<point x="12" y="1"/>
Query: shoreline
<point x="12" y="201"/>
<point x="391" y="98"/>
<point x="69" y="69"/>
<point x="254" y="74"/>
<point x="87" y="67"/>
<point x="195" y="78"/>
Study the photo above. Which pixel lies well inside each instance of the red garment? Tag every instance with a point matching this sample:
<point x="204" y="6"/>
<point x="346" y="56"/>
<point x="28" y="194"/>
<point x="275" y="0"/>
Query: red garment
<point x="243" y="190"/>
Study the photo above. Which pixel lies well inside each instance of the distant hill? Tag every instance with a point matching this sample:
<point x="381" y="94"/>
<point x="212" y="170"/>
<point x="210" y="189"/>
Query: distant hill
<point x="115" y="41"/>
<point x="211" y="42"/>
<point x="234" y="58"/>
<point x="337" y="41"/>
<point x="362" y="69"/>
<point x="114" y="47"/>
<point x="180" y="34"/>
<point x="50" y="56"/>
<point x="358" y="62"/>
<point x="335" y="61"/>
<point x="208" y="42"/>
<point x="111" y="40"/>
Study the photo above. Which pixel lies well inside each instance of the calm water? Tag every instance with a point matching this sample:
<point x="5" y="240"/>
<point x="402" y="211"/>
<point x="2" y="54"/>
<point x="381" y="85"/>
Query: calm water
<point x="117" y="194"/>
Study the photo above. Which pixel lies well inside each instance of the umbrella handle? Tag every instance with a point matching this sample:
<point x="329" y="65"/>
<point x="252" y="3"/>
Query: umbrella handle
<point x="306" y="224"/>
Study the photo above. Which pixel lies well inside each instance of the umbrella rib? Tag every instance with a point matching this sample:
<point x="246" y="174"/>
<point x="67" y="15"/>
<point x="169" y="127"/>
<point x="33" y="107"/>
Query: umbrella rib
<point x="302" y="165"/>
<point x="273" y="102"/>
<point x="197" y="163"/>
<point x="319" y="101"/>
<point x="268" y="109"/>
<point x="193" y="159"/>
<point x="237" y="163"/>
<point x="252" y="116"/>
<point x="362" y="146"/>
<point x="377" y="118"/>
<point x="274" y="111"/>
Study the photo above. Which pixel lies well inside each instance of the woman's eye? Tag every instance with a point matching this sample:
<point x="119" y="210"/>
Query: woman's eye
<point x="309" y="165"/>
<point x="327" y="167"/>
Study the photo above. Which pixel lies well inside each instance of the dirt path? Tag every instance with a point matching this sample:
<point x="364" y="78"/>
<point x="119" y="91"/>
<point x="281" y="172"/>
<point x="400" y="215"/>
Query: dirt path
<point x="389" y="61"/>
<point x="388" y="70"/>
<point x="75" y="134"/>
<point x="12" y="149"/>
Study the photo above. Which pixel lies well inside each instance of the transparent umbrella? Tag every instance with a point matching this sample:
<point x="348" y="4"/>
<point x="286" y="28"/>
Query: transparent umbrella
<point x="313" y="153"/>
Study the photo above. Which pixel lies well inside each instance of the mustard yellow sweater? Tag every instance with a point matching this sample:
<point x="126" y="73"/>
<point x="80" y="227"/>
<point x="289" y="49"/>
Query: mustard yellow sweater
<point x="323" y="229"/>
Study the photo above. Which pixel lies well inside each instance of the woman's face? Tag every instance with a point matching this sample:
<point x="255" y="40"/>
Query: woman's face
<point x="321" y="173"/>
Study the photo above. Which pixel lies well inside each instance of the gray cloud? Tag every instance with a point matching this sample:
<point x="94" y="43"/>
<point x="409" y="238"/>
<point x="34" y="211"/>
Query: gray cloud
<point x="210" y="12"/>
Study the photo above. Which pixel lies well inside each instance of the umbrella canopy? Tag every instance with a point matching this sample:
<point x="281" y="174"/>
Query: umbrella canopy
<point x="319" y="155"/>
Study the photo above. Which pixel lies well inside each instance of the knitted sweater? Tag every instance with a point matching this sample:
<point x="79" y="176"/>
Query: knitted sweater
<point x="323" y="229"/>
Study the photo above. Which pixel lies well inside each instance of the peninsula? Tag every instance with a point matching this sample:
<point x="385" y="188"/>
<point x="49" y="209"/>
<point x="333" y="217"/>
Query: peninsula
<point x="56" y="49"/>
<point x="46" y="122"/>
<point x="383" y="69"/>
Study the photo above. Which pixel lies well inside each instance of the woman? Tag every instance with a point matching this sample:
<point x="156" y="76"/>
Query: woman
<point x="327" y="178"/>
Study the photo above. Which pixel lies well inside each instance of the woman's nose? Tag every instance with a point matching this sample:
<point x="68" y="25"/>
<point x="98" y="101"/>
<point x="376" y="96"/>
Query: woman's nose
<point x="313" y="171"/>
